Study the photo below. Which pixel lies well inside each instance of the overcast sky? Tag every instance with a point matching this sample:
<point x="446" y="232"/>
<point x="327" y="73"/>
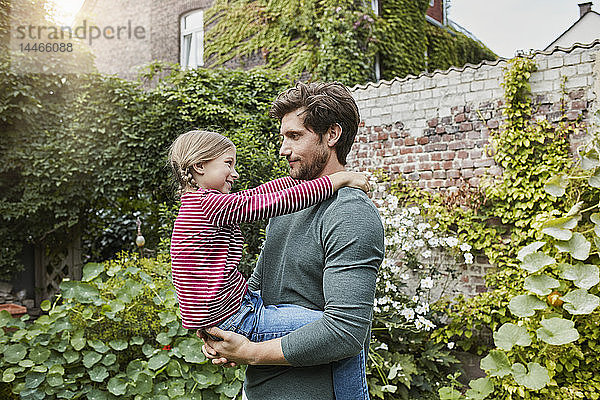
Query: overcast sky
<point x="509" y="25"/>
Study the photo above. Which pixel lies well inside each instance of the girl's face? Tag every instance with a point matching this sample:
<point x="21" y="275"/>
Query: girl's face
<point x="219" y="173"/>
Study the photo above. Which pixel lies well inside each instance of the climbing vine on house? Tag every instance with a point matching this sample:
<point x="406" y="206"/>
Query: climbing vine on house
<point x="333" y="40"/>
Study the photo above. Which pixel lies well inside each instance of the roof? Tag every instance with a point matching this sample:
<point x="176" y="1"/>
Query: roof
<point x="475" y="66"/>
<point x="571" y="28"/>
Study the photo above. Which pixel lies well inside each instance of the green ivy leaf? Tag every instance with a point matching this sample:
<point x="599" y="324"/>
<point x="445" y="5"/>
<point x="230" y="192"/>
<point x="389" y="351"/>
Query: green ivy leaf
<point x="534" y="377"/>
<point x="98" y="373"/>
<point x="191" y="349"/>
<point x="594" y="180"/>
<point x="158" y="360"/>
<point x="5" y="318"/>
<point x="90" y="358"/>
<point x="541" y="285"/>
<point x="509" y="335"/>
<point x="117" y="386"/>
<point x="496" y="363"/>
<point x="39" y="354"/>
<point x="529" y="249"/>
<point x="81" y="292"/>
<point x="560" y="228"/>
<point x="14" y="353"/>
<point x="34" y="379"/>
<point x="557" y="331"/>
<point x="55" y="380"/>
<point x="579" y="302"/>
<point x="109" y="359"/>
<point x="480" y="389"/>
<point x="71" y="356"/>
<point x="136" y="340"/>
<point x="229" y="389"/>
<point x="8" y="375"/>
<point x="98" y="345"/>
<point x="534" y="262"/>
<point x="118" y="344"/>
<point x="578" y="246"/>
<point x="449" y="393"/>
<point x="525" y="305"/>
<point x="91" y="271"/>
<point x="589" y="160"/>
<point x="45" y="305"/>
<point x="556" y="186"/>
<point x="143" y="384"/>
<point x="584" y="276"/>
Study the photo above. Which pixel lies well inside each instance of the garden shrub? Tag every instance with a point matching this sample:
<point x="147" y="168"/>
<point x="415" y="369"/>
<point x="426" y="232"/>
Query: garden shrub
<point x="115" y="334"/>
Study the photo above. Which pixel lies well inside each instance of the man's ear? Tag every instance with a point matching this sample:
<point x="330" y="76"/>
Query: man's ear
<point x="199" y="168"/>
<point x="333" y="134"/>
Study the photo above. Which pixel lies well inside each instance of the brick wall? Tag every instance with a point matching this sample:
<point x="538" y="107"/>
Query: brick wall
<point x="434" y="129"/>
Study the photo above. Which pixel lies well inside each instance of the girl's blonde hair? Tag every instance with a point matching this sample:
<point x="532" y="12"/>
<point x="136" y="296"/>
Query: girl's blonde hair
<point x="191" y="148"/>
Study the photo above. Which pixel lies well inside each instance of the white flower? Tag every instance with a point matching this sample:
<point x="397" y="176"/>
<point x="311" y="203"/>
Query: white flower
<point x="419" y="243"/>
<point x="468" y="258"/>
<point x="428" y="235"/>
<point x="422" y="226"/>
<point x="450" y="345"/>
<point x="427" y="283"/>
<point x="415" y="298"/>
<point x="426" y="254"/>
<point x="426" y="205"/>
<point x="404" y="276"/>
<point x="414" y="210"/>
<point x="451" y="241"/>
<point x="408" y="314"/>
<point x="422" y="308"/>
<point x="465" y="247"/>
<point x="433" y="242"/>
<point x="382" y="346"/>
<point x="406" y="246"/>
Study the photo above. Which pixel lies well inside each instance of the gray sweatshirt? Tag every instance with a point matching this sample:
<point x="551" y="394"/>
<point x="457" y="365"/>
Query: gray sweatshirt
<point x="325" y="258"/>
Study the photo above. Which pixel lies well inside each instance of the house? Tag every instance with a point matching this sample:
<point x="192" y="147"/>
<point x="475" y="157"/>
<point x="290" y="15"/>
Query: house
<point x="585" y="30"/>
<point x="172" y="31"/>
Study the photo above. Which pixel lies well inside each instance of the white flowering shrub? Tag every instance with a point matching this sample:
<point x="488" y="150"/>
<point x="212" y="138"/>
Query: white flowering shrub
<point x="404" y="363"/>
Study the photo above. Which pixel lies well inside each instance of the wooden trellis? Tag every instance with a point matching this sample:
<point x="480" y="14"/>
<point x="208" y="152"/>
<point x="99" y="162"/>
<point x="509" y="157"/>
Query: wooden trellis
<point x="50" y="271"/>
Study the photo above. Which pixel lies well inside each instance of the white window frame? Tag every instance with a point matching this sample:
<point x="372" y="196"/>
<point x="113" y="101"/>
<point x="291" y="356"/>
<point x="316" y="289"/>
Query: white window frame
<point x="431" y="3"/>
<point x="192" y="41"/>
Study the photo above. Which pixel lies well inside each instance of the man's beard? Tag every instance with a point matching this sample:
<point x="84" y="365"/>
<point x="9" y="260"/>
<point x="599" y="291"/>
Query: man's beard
<point x="310" y="171"/>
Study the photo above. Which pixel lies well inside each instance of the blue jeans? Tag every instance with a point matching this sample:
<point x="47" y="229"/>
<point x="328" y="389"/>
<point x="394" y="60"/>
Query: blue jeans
<point x="259" y="323"/>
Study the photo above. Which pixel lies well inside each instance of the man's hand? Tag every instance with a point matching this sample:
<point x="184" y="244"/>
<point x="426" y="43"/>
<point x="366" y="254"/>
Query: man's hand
<point x="236" y="349"/>
<point x="229" y="352"/>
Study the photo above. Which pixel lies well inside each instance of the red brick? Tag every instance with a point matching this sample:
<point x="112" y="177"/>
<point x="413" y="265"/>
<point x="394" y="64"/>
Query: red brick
<point x="466" y="126"/>
<point x="475" y="153"/>
<point x="440" y="174"/>
<point x="479" y="171"/>
<point x="436" y="156"/>
<point x="460" y="118"/>
<point x="447" y="165"/>
<point x="394" y="134"/>
<point x="382" y="136"/>
<point x="467" y="173"/>
<point x="426" y="175"/>
<point x="408" y="168"/>
<point x="436" y="183"/>
<point x="440" y="146"/>
<point x="453" y="174"/>
<point x="486" y="162"/>
<point x="474" y="135"/>
<point x="424" y="166"/>
<point x="410" y="141"/>
<point x="462" y="154"/>
<point x="378" y="129"/>
<point x="456" y="145"/>
<point x="380" y="153"/>
<point x="474" y="181"/>
<point x="579" y="105"/>
<point x="457" y="109"/>
<point x="448" y="138"/>
<point x="373" y="137"/>
<point x="423" y="140"/>
<point x="440" y="129"/>
<point x="406" y="150"/>
<point x="395" y="168"/>
<point x="577" y="94"/>
<point x="432" y="123"/>
<point x="448" y="155"/>
<point x="423" y="157"/>
<point x="493" y="124"/>
<point x="410" y="158"/>
<point x="467" y="164"/>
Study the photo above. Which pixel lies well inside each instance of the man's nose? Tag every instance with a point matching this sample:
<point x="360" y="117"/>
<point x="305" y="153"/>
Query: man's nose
<point x="235" y="174"/>
<point x="284" y="150"/>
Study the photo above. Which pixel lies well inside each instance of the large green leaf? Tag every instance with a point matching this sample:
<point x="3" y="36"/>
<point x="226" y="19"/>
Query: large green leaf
<point x="448" y="393"/>
<point x="98" y="345"/>
<point x="594" y="180"/>
<point x="496" y="363"/>
<point x="90" y="358"/>
<point x="14" y="353"/>
<point x="529" y="249"/>
<point x="589" y="159"/>
<point x="557" y="331"/>
<point x="117" y="386"/>
<point x="525" y="305"/>
<point x="578" y="246"/>
<point x="98" y="373"/>
<point x="158" y="360"/>
<point x="556" y="186"/>
<point x="560" y="228"/>
<point x="509" y="335"/>
<point x="579" y="302"/>
<point x="91" y="271"/>
<point x="584" y="276"/>
<point x="480" y="389"/>
<point x="534" y="377"/>
<point x="34" y="379"/>
<point x="81" y="292"/>
<point x="536" y="261"/>
<point x="191" y="349"/>
<point x="118" y="344"/>
<point x="39" y="354"/>
<point x="595" y="218"/>
<point x="541" y="285"/>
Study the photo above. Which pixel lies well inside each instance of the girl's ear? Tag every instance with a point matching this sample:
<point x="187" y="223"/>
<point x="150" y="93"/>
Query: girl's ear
<point x="199" y="168"/>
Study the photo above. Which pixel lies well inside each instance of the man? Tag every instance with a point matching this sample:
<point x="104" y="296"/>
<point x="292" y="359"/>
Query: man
<point x="324" y="257"/>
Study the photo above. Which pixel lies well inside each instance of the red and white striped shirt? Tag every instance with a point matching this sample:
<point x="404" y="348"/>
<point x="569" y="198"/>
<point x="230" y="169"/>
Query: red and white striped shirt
<point x="206" y="246"/>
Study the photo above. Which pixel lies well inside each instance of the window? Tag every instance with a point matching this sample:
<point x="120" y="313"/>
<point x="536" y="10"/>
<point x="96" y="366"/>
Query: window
<point x="431" y="3"/>
<point x="192" y="40"/>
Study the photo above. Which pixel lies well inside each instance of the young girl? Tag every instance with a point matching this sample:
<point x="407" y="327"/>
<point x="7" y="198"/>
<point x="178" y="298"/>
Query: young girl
<point x="206" y="246"/>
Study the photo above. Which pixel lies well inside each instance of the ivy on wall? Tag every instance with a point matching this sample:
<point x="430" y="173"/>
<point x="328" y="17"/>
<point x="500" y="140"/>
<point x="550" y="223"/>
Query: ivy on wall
<point x="334" y="40"/>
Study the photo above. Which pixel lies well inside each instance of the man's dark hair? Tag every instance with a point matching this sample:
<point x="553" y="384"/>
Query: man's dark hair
<point x="326" y="104"/>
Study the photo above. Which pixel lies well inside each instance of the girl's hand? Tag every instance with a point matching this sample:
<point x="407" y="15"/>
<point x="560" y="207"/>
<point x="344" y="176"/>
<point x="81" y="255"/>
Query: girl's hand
<point x="349" y="179"/>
